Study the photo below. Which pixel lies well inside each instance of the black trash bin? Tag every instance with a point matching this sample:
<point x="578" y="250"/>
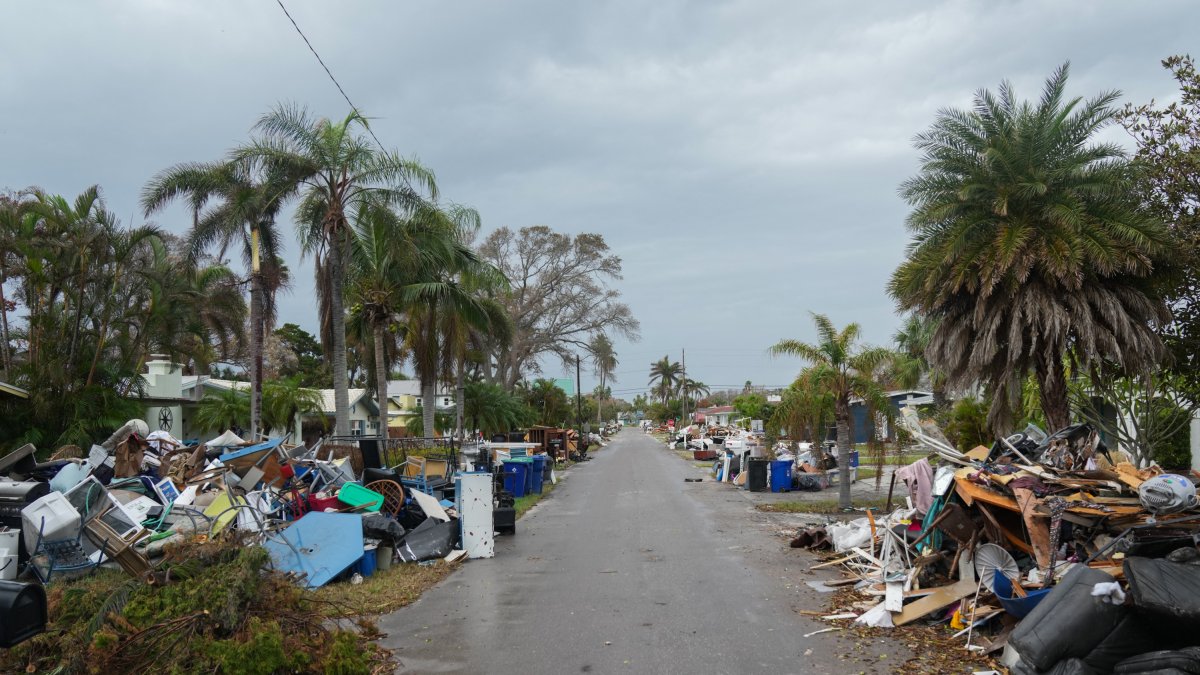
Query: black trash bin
<point x="756" y="481"/>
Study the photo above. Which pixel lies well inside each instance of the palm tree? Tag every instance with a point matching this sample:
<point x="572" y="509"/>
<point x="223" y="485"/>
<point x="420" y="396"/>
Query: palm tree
<point x="337" y="173"/>
<point x="693" y="390"/>
<point x="665" y="375"/>
<point x="604" y="358"/>
<point x="845" y="370"/>
<point x="245" y="211"/>
<point x="1029" y="247"/>
<point x="223" y="410"/>
<point x="285" y="401"/>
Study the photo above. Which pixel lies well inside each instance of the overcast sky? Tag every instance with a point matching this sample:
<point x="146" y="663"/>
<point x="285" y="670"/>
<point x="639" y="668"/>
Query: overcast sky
<point x="741" y="157"/>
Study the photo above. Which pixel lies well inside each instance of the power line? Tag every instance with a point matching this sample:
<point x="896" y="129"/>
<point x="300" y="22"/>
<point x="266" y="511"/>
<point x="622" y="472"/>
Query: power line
<point x="329" y="73"/>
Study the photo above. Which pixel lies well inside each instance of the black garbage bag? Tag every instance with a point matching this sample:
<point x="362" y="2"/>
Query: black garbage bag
<point x="411" y="517"/>
<point x="431" y="539"/>
<point x="1066" y="667"/>
<point x="379" y="526"/>
<point x="1166" y="589"/>
<point x="1068" y="622"/>
<point x="1182" y="661"/>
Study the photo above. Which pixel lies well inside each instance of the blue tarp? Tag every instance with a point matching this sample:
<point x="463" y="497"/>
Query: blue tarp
<point x="320" y="546"/>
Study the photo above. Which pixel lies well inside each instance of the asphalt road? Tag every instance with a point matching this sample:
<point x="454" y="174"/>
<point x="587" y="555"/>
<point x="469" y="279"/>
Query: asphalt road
<point x="625" y="568"/>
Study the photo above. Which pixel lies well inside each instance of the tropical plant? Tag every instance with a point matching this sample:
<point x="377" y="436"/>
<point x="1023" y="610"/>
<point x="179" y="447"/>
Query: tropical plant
<point x="338" y="174"/>
<point x="692" y="390"/>
<point x="548" y="403"/>
<point x="604" y="361"/>
<point x="232" y="205"/>
<point x="286" y="401"/>
<point x="94" y="300"/>
<point x="1029" y="246"/>
<point x="665" y="376"/>
<point x="492" y="410"/>
<point x="845" y="370"/>
<point x="223" y="409"/>
<point x="968" y="424"/>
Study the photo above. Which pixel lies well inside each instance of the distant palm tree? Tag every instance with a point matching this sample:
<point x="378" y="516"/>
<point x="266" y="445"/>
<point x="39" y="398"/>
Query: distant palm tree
<point x="336" y="170"/>
<point x="604" y="358"/>
<point x="693" y="390"/>
<point x="1029" y="246"/>
<point x="845" y="370"/>
<point x="665" y="376"/>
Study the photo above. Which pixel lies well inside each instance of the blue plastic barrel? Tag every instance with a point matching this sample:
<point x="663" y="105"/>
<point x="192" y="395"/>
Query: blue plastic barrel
<point x="515" y="475"/>
<point x="854" y="459"/>
<point x="781" y="475"/>
<point x="539" y="472"/>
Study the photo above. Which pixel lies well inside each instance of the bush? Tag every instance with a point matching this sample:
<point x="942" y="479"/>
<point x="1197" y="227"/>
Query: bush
<point x="1175" y="451"/>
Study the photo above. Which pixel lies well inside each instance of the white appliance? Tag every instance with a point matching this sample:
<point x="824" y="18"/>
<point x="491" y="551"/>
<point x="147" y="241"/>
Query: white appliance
<point x="474" y="502"/>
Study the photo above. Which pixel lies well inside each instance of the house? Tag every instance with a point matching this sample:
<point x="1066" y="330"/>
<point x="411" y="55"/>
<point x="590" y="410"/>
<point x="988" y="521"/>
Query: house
<point x="715" y="416"/>
<point x="862" y="429"/>
<point x="172" y="399"/>
<point x="406" y="401"/>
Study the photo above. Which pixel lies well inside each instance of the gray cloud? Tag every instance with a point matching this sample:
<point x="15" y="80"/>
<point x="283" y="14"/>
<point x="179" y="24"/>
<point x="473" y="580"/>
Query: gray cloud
<point x="742" y="156"/>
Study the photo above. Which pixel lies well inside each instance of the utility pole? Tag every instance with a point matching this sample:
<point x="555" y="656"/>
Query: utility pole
<point x="683" y="368"/>
<point x="578" y="409"/>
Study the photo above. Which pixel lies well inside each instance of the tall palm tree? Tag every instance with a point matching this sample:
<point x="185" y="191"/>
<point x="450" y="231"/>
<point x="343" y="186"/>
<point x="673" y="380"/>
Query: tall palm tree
<point x="337" y="172"/>
<point x="665" y="376"/>
<point x="444" y="305"/>
<point x="846" y="370"/>
<point x="604" y="358"/>
<point x="245" y="211"/>
<point x="1029" y="247"/>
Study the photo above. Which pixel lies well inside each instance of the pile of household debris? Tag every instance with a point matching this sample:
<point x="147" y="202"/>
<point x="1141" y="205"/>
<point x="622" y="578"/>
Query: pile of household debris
<point x="125" y="501"/>
<point x="1055" y="549"/>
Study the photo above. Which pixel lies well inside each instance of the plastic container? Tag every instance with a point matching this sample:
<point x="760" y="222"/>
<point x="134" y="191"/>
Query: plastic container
<point x="366" y="564"/>
<point x="53" y="516"/>
<point x="514" y="477"/>
<point x="854" y="459"/>
<point x="529" y="471"/>
<point x="1012" y="604"/>
<point x="539" y="472"/>
<point x="353" y="494"/>
<point x="781" y="475"/>
<point x="322" y="501"/>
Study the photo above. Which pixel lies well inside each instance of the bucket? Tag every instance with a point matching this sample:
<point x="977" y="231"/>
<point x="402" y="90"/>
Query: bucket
<point x="8" y="564"/>
<point x="383" y="558"/>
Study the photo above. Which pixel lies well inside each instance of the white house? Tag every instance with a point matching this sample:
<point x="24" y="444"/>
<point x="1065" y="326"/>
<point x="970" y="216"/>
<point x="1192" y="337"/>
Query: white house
<point x="172" y="399"/>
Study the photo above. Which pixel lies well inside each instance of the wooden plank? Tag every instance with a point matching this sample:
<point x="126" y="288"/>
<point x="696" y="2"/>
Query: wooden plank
<point x="831" y="563"/>
<point x="1037" y="526"/>
<point x="941" y="597"/>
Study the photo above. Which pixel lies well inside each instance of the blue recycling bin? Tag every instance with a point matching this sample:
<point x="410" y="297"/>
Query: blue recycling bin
<point x="539" y="472"/>
<point x="515" y="475"/>
<point x="781" y="475"/>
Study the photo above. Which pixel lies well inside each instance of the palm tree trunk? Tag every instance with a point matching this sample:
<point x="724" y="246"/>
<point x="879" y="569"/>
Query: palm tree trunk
<point x="460" y="397"/>
<point x="381" y="373"/>
<point x="5" y="357"/>
<point x="428" y="393"/>
<point x="1052" y="385"/>
<point x="600" y="400"/>
<point x="256" y="353"/>
<point x="341" y="395"/>
<point x="845" y="447"/>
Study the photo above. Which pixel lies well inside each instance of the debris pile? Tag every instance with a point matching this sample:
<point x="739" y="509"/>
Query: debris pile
<point x="317" y="515"/>
<point x="1050" y="553"/>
